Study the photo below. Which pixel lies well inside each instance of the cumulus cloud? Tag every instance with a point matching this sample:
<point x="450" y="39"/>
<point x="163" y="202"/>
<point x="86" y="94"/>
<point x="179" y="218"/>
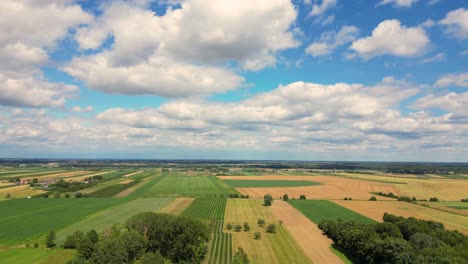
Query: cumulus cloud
<point x="456" y="22"/>
<point x="390" y="37"/>
<point x="453" y="79"/>
<point x="331" y="40"/>
<point x="319" y="9"/>
<point x="34" y="92"/>
<point x="24" y="46"/>
<point x="79" y="109"/>
<point x="399" y="3"/>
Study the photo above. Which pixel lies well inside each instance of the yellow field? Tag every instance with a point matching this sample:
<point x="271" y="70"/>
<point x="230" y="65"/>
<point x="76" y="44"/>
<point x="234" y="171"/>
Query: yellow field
<point x="131" y="174"/>
<point x="307" y="234"/>
<point x="176" y="207"/>
<point x="131" y="189"/>
<point x="80" y="178"/>
<point x="59" y="175"/>
<point x="376" y="209"/>
<point x="332" y="187"/>
<point x="34" y="173"/>
<point x="21" y="191"/>
<point x="271" y="248"/>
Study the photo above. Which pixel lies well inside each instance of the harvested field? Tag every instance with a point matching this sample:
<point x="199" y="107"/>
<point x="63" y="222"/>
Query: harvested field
<point x="177" y="206"/>
<point x="445" y="190"/>
<point x="130" y="190"/>
<point x="126" y="182"/>
<point x="316" y="245"/>
<point x="331" y="188"/>
<point x="60" y="175"/>
<point x="376" y="209"/>
<point x="271" y="248"/>
<point x="80" y="178"/>
<point x="131" y="174"/>
<point x="267" y="183"/>
<point x="21" y="191"/>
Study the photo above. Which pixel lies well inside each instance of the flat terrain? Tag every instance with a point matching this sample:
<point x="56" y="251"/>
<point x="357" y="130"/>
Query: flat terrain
<point x="319" y="210"/>
<point x="376" y="209"/>
<point x="99" y="221"/>
<point x="206" y="209"/>
<point x="19" y="191"/>
<point x="24" y="219"/>
<point x="177" y="206"/>
<point x="309" y="237"/>
<point x="268" y="183"/>
<point x="271" y="248"/>
<point x="189" y="186"/>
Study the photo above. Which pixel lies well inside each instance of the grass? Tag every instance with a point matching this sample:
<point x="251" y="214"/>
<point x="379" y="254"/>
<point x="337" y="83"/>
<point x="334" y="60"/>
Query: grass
<point x="459" y="207"/>
<point x="319" y="210"/>
<point x="99" y="221"/>
<point x="112" y="190"/>
<point x="268" y="183"/>
<point x="220" y="246"/>
<point x="24" y="219"/>
<point x="36" y="255"/>
<point x="189" y="186"/>
<point x="206" y="209"/>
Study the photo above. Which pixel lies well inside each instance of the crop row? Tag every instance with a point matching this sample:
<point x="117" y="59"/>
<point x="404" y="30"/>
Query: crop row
<point x="207" y="208"/>
<point x="221" y="248"/>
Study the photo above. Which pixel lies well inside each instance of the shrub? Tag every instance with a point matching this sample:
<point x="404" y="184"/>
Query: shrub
<point x="237" y="228"/>
<point x="8" y="196"/>
<point x="257" y="235"/>
<point x="246" y="227"/>
<point x="271" y="228"/>
<point x="267" y="200"/>
<point x="373" y="198"/>
<point x="433" y="199"/>
<point x="67" y="195"/>
<point x="36" y="245"/>
<point x="261" y="222"/>
<point x="346" y="198"/>
<point x="302" y="197"/>
<point x="50" y="239"/>
<point x="56" y="194"/>
<point x="78" y="195"/>
<point x="240" y="257"/>
<point x="229" y="226"/>
<point x="285" y="197"/>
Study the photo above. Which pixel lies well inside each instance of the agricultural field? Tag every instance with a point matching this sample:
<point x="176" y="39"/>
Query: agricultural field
<point x="331" y="187"/>
<point x="177" y="206"/>
<point x="18" y="191"/>
<point x="99" y="221"/>
<point x="319" y="210"/>
<point x="36" y="256"/>
<point x="206" y="209"/>
<point x="376" y="209"/>
<point x="279" y="247"/>
<point x="267" y="183"/>
<point x="24" y="219"/>
<point x="178" y="185"/>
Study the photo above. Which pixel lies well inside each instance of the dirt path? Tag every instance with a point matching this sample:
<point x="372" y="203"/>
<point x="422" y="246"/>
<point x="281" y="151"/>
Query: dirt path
<point x="307" y="234"/>
<point x="176" y="207"/>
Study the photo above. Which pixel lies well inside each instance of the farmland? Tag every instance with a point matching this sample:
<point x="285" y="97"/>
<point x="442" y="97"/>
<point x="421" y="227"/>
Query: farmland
<point x="319" y="210"/>
<point x="123" y="192"/>
<point x="178" y="185"/>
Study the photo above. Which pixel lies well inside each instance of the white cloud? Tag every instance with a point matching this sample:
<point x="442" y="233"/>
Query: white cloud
<point x="456" y="22"/>
<point x="182" y="53"/>
<point x="399" y="3"/>
<point x="331" y="40"/>
<point x="28" y="31"/>
<point x="79" y="109"/>
<point x="436" y="58"/>
<point x="460" y="80"/>
<point x="389" y="37"/>
<point x="319" y="9"/>
<point x="34" y="92"/>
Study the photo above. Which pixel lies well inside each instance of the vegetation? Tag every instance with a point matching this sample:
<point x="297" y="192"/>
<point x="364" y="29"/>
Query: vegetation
<point x="302" y="197"/>
<point x="271" y="228"/>
<point x="178" y="239"/>
<point x="267" y="200"/>
<point x="261" y="222"/>
<point x="285" y="197"/>
<point x="240" y="257"/>
<point x="398" y="240"/>
<point x="221" y="246"/>
<point x="206" y="209"/>
<point x="112" y="190"/>
<point x="319" y="210"/>
<point x="50" y="240"/>
<point x="373" y="198"/>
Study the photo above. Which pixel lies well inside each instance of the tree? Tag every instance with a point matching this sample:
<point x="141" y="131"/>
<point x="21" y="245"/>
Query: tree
<point x="433" y="199"/>
<point x="73" y="240"/>
<point x="346" y="198"/>
<point x="56" y="194"/>
<point x="111" y="250"/>
<point x="93" y="236"/>
<point x="50" y="239"/>
<point x="271" y="228"/>
<point x="257" y="235"/>
<point x="8" y="196"/>
<point x="78" y="195"/>
<point x="285" y="197"/>
<point x="85" y="247"/>
<point x="280" y="222"/>
<point x="152" y="258"/>
<point x="35" y="180"/>
<point x="229" y="226"/>
<point x="267" y="200"/>
<point x="237" y="228"/>
<point x="261" y="222"/>
<point x="67" y="195"/>
<point x="240" y="257"/>
<point x="135" y="244"/>
<point x="36" y="245"/>
<point x="302" y="197"/>
<point x="246" y="227"/>
<point x="373" y="198"/>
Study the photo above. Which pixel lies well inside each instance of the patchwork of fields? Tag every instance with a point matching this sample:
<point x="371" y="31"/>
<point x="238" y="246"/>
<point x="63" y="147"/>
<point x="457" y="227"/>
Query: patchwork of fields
<point x="123" y="193"/>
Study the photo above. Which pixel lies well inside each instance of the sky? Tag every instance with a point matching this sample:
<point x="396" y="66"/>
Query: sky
<point x="382" y="80"/>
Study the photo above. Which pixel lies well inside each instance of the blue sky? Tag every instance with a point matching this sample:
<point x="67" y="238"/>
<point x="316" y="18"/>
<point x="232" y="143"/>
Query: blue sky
<point x="270" y="79"/>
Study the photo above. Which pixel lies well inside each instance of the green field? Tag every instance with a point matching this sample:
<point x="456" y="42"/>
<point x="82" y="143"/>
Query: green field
<point x="267" y="183"/>
<point x="112" y="190"/>
<point x="206" y="209"/>
<point x="23" y="219"/>
<point x="319" y="210"/>
<point x="99" y="221"/>
<point x="36" y="255"/>
<point x="189" y="186"/>
<point x="221" y="249"/>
